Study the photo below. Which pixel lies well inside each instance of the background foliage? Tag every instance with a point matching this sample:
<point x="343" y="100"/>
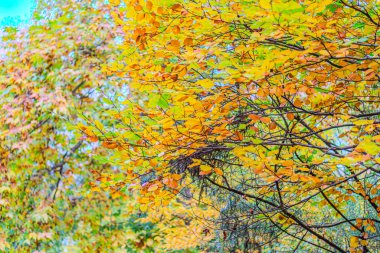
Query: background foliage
<point x="185" y="126"/>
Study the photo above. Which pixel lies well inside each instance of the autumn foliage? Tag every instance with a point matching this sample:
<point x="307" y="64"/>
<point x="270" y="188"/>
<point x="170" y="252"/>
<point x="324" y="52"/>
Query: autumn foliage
<point x="221" y="126"/>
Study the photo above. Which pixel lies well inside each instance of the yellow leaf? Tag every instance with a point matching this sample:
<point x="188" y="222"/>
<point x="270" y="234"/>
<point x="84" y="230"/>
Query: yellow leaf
<point x="196" y="162"/>
<point x="143" y="200"/>
<point x="176" y="177"/>
<point x="206" y="83"/>
<point x="205" y="170"/>
<point x="115" y="194"/>
<point x="149" y="242"/>
<point x="115" y="2"/>
<point x="363" y="122"/>
<point x="265" y="4"/>
<point x="368" y="147"/>
<point x="143" y="208"/>
<point x="256" y="141"/>
<point x="152" y="188"/>
<point x="354" y="241"/>
<point x="364" y="242"/>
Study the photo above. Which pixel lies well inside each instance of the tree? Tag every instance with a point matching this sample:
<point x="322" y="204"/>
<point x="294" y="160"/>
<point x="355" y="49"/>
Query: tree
<point x="49" y="72"/>
<point x="267" y="110"/>
<point x="58" y="192"/>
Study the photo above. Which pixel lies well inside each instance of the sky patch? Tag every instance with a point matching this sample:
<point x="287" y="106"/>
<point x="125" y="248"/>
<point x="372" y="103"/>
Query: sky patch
<point x="15" y="12"/>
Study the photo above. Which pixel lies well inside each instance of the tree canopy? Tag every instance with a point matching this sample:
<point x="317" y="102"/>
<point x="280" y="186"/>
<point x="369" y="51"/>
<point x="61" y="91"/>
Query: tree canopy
<point x="205" y="126"/>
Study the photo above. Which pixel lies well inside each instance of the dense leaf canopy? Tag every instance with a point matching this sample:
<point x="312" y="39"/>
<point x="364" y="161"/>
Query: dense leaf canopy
<point x="220" y="126"/>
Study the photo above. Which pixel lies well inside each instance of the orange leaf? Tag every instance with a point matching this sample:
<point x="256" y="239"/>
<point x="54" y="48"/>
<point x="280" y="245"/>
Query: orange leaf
<point x="176" y="177"/>
<point x="149" y="5"/>
<point x="160" y="10"/>
<point x="287" y="163"/>
<point x="290" y="116"/>
<point x="176" y="7"/>
<point x="239" y="136"/>
<point x="109" y="144"/>
<point x="188" y="42"/>
<point x="218" y="171"/>
<point x="173" y="184"/>
<point x="93" y="138"/>
<point x="254" y="128"/>
<point x="176" y="29"/>
<point x="298" y="103"/>
<point x="265" y="120"/>
<point x="138" y="8"/>
<point x="254" y="117"/>
<point x="272" y="126"/>
<point x="175" y="43"/>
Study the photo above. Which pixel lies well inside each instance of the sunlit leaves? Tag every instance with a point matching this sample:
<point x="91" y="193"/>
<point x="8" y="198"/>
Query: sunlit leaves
<point x="271" y="102"/>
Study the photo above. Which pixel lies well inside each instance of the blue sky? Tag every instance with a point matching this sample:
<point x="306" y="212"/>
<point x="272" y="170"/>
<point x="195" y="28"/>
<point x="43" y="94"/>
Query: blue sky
<point x="14" y="12"/>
